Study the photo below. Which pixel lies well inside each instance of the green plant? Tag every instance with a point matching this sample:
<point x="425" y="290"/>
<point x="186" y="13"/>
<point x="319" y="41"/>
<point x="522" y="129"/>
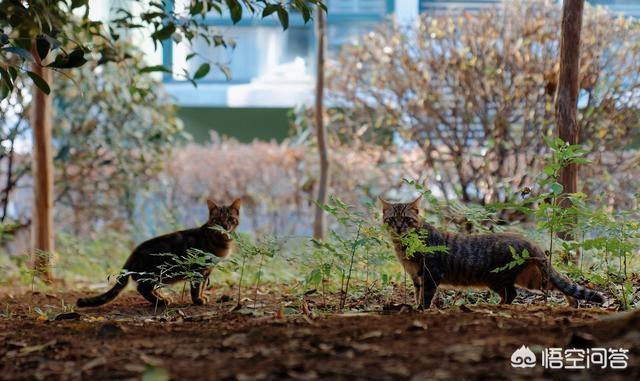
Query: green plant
<point x="479" y="113"/>
<point x="249" y="251"/>
<point x="518" y="259"/>
<point x="359" y="236"/>
<point x="50" y="313"/>
<point x="53" y="27"/>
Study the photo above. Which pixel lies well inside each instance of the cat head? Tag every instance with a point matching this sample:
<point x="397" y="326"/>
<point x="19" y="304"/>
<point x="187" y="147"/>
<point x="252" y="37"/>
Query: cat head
<point x="400" y="218"/>
<point x="227" y="217"/>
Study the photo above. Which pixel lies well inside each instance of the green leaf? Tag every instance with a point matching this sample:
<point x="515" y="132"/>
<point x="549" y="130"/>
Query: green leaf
<point x="63" y="153"/>
<point x="78" y="3"/>
<point x="42" y="46"/>
<point x="39" y="82"/>
<point x="72" y="60"/>
<point x="13" y="72"/>
<point x="164" y="33"/>
<point x="283" y="15"/>
<point x="4" y="91"/>
<point x="304" y="9"/>
<point x="196" y="8"/>
<point x="149" y="69"/>
<point x="319" y="3"/>
<point x="202" y="71"/>
<point x="6" y="78"/>
<point x="152" y="373"/>
<point x="269" y="9"/>
<point x="235" y="10"/>
<point x="556" y="188"/>
<point x="580" y="160"/>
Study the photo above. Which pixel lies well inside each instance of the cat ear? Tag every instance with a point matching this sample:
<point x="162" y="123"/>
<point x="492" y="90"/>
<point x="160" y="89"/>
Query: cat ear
<point x="385" y="205"/>
<point x="236" y="204"/>
<point x="211" y="205"/>
<point x="415" y="204"/>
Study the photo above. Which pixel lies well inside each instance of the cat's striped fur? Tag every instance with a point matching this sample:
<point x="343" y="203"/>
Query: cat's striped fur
<point x="470" y="259"/>
<point x="150" y="257"/>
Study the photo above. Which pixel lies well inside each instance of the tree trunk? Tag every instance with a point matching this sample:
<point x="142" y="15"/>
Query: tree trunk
<point x="42" y="224"/>
<point x="319" y="223"/>
<point x="567" y="94"/>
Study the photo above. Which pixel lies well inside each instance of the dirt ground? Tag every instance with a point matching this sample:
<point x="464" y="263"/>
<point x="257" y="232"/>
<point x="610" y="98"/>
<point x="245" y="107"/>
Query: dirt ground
<point x="128" y="340"/>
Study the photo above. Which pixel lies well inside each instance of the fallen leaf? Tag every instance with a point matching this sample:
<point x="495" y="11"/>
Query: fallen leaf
<point x="397" y="369"/>
<point x="153" y="373"/>
<point x="98" y="361"/>
<point x="251" y="377"/>
<point x="37" y="348"/>
<point x="371" y="335"/>
<point x="235" y="340"/>
<point x="308" y="375"/>
<point x="304" y="307"/>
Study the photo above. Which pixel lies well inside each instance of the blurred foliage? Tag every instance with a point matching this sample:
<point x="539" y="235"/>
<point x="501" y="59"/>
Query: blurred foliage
<point x="109" y="141"/>
<point x="275" y="180"/>
<point x="42" y="32"/>
<point x="14" y="163"/>
<point x="475" y="92"/>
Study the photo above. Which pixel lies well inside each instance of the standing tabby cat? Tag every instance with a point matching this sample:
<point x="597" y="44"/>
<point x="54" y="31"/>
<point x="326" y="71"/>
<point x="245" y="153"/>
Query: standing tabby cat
<point x="150" y="258"/>
<point x="470" y="259"/>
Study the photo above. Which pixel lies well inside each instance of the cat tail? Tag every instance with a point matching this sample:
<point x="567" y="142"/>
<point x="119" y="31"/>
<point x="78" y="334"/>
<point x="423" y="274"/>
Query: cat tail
<point x="570" y="288"/>
<point x="108" y="296"/>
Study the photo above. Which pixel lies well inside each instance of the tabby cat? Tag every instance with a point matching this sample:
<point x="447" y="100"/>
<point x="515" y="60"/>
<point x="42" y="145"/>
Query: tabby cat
<point x="471" y="258"/>
<point x="154" y="256"/>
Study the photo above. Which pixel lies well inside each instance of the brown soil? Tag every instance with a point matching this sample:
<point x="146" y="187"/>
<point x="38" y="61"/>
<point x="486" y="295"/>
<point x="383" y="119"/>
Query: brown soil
<point x="127" y="339"/>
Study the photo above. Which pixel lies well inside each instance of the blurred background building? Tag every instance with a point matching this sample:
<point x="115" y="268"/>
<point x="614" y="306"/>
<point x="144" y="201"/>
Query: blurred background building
<point x="273" y="71"/>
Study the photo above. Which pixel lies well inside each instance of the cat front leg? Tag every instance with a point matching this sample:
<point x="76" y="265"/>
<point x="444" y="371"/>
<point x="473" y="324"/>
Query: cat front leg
<point x="424" y="293"/>
<point x="417" y="285"/>
<point x="429" y="281"/>
<point x="428" y="291"/>
<point x="197" y="289"/>
<point x="196" y="293"/>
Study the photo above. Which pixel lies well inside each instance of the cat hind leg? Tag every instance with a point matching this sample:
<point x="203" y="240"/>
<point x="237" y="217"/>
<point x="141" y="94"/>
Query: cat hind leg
<point x="507" y="292"/>
<point x="148" y="291"/>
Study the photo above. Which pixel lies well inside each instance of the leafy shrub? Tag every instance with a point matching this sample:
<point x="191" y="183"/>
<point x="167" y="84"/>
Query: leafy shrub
<point x="475" y="93"/>
<point x="109" y="140"/>
<point x="276" y="180"/>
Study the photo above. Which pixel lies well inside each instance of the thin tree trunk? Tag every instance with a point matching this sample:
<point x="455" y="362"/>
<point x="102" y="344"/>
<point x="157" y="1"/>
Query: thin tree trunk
<point x="567" y="95"/>
<point x="319" y="223"/>
<point x="42" y="226"/>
